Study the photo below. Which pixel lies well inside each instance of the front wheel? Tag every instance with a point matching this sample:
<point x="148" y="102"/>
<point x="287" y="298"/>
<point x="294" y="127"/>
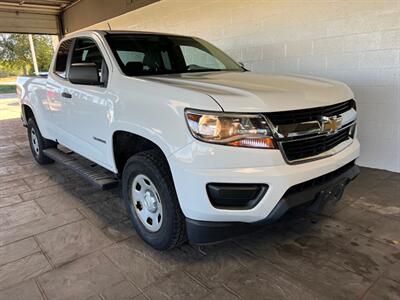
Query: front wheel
<point x="38" y="143"/>
<point x="151" y="200"/>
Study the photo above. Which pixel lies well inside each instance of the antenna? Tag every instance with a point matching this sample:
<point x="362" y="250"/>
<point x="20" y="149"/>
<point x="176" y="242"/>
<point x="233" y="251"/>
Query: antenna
<point x="109" y="27"/>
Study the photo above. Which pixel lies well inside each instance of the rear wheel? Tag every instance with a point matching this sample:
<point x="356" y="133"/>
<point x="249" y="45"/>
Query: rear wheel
<point x="38" y="143"/>
<point x="151" y="200"/>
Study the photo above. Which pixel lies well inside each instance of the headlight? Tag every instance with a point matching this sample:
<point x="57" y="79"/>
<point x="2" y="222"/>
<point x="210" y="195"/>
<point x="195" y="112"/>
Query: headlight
<point x="230" y="129"/>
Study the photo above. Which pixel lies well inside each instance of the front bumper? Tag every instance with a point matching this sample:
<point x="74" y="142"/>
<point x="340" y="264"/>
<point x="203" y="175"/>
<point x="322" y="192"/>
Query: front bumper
<point x="198" y="164"/>
<point x="316" y="192"/>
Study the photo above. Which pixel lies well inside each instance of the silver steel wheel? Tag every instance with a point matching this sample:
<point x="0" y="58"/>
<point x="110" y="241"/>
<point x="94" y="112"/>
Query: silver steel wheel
<point x="34" y="140"/>
<point x="146" y="203"/>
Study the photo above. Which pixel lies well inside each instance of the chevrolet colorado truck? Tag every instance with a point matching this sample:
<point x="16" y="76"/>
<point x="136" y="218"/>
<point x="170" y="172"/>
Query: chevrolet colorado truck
<point x="204" y="150"/>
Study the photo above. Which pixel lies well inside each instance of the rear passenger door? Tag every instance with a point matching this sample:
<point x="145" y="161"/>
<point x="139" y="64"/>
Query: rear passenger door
<point x="87" y="109"/>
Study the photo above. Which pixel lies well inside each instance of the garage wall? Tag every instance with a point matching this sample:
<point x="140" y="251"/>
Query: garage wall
<point x="356" y="41"/>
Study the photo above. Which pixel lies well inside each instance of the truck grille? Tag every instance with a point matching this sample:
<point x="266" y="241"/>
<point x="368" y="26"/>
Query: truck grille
<point x="310" y="114"/>
<point x="300" y="146"/>
<point x="300" y="149"/>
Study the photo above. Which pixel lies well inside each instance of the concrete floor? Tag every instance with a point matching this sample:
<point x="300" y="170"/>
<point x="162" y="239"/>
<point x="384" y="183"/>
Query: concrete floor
<point x="62" y="239"/>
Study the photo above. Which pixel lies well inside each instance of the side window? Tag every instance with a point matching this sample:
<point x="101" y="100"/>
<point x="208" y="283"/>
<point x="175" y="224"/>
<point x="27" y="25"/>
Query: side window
<point x="62" y="57"/>
<point x="196" y="58"/>
<point x="86" y="51"/>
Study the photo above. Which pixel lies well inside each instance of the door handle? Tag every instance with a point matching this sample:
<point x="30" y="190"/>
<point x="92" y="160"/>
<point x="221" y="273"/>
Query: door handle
<point x="66" y="95"/>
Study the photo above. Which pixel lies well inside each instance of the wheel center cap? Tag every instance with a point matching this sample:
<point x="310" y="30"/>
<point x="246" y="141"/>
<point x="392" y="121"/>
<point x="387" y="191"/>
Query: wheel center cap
<point x="150" y="201"/>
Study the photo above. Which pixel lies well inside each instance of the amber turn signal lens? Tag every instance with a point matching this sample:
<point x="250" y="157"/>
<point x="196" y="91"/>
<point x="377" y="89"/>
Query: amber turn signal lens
<point x="265" y="143"/>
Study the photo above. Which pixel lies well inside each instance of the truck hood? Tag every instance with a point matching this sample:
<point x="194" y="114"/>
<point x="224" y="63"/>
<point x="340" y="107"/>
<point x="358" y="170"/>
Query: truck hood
<point x="251" y="92"/>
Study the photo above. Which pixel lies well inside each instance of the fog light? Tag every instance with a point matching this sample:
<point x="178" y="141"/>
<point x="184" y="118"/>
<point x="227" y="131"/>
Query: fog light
<point x="235" y="196"/>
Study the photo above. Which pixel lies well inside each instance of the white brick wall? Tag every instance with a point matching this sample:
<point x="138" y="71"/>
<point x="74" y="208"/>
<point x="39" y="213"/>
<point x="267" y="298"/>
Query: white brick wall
<point x="356" y="41"/>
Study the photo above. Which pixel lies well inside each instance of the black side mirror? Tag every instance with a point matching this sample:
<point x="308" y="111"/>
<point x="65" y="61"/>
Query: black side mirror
<point x="84" y="73"/>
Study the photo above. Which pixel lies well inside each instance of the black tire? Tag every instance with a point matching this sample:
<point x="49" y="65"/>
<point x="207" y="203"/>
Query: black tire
<point x="39" y="143"/>
<point x="153" y="165"/>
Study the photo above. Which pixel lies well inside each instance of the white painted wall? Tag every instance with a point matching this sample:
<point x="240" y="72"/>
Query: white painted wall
<point x="356" y="41"/>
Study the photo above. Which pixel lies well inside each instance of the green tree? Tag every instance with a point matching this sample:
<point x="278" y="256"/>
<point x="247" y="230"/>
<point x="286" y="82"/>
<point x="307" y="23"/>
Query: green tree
<point x="14" y="53"/>
<point x="44" y="51"/>
<point x="16" y="57"/>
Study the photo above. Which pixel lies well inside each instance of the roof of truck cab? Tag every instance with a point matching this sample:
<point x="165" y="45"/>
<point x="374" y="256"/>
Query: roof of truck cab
<point x="121" y="32"/>
<point x="141" y="32"/>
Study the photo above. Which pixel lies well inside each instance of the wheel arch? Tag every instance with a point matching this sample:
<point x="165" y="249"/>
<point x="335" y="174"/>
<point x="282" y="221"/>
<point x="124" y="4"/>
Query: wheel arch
<point x="125" y="144"/>
<point x="27" y="113"/>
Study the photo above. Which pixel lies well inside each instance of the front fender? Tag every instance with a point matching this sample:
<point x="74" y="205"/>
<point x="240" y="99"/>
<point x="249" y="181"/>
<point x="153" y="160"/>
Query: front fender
<point x="154" y="111"/>
<point x="167" y="145"/>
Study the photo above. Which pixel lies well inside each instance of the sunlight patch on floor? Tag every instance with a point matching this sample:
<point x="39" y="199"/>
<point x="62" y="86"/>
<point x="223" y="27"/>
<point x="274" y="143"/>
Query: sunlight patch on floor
<point x="9" y="108"/>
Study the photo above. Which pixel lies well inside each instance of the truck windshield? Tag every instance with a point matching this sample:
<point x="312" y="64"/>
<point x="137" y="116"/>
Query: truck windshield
<point x="149" y="54"/>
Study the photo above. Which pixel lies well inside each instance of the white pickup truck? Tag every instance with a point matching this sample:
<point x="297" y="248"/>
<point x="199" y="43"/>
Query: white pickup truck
<point x="204" y="149"/>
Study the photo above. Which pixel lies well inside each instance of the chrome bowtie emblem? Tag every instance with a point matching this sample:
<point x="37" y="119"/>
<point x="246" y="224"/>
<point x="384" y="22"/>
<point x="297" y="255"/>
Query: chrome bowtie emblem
<point x="330" y="124"/>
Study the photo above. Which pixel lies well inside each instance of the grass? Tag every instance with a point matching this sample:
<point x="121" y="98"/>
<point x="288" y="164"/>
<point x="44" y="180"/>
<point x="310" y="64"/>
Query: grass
<point x="6" y="89"/>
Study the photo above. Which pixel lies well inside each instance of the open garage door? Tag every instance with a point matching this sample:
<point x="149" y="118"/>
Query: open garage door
<point x="28" y="23"/>
<point x="33" y="16"/>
